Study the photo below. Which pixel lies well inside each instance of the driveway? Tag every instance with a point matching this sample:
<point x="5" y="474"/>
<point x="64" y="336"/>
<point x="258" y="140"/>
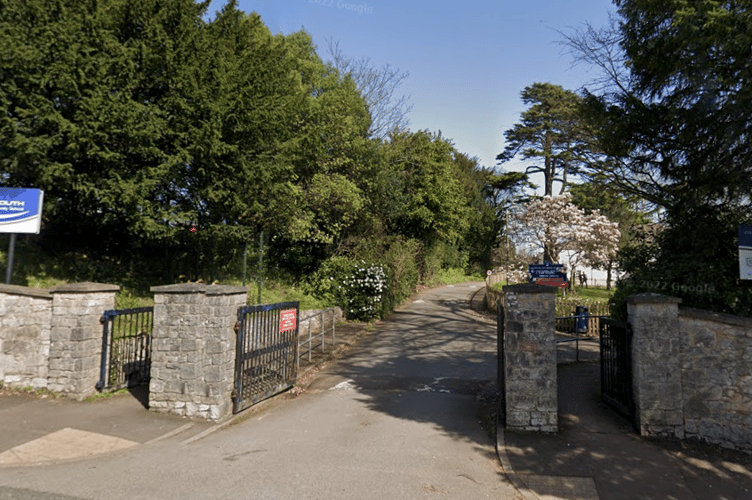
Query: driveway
<point x="400" y="417"/>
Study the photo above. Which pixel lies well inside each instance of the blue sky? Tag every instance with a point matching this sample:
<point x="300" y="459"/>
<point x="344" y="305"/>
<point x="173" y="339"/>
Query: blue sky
<point x="468" y="61"/>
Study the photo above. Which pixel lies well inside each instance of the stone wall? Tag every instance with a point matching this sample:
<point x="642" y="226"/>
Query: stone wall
<point x="692" y="372"/>
<point x="52" y="338"/>
<point x="530" y="358"/>
<point x="717" y="377"/>
<point x="25" y="322"/>
<point x="492" y="296"/>
<point x="311" y="318"/>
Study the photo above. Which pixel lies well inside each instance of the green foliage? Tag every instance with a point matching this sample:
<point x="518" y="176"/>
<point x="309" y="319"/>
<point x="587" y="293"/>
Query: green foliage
<point x="330" y="204"/>
<point x="131" y="299"/>
<point x="454" y="275"/>
<point x="675" y="125"/>
<point x="277" y="291"/>
<point x="695" y="257"/>
<point x="404" y="273"/>
<point x="427" y="188"/>
<point x="595" y="293"/>
<point x="327" y="282"/>
<point x="597" y="303"/>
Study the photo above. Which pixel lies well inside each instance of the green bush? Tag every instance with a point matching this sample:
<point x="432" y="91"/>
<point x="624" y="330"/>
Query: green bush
<point x="404" y="274"/>
<point x="130" y="299"/>
<point x="694" y="256"/>
<point x="327" y="283"/>
<point x="433" y="260"/>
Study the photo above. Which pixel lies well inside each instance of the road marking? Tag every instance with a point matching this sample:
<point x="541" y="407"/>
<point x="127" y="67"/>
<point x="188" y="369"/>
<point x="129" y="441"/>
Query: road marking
<point x="347" y="385"/>
<point x="63" y="445"/>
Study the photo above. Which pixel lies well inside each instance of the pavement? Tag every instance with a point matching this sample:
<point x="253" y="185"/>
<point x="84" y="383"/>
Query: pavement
<point x="398" y="415"/>
<point x="43" y="429"/>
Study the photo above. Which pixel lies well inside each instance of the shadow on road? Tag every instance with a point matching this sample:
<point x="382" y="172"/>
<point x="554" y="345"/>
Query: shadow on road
<point x="433" y="361"/>
<point x="595" y="441"/>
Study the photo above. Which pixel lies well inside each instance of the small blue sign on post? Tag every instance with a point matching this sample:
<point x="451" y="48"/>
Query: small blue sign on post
<point x="20" y="210"/>
<point x="745" y="252"/>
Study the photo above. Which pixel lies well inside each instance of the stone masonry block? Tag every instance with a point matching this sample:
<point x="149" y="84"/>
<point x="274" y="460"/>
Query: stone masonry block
<point x="518" y="419"/>
<point x="521" y="401"/>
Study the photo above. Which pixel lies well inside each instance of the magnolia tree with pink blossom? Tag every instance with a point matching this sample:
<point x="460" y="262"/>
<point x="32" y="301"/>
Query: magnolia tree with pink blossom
<point x="560" y="229"/>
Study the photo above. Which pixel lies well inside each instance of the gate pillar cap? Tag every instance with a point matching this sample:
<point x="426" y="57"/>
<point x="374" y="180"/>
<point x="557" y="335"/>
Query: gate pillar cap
<point x="85" y="287"/>
<point x="652" y="298"/>
<point x="43" y="293"/>
<point x="529" y="288"/>
<point x="200" y="288"/>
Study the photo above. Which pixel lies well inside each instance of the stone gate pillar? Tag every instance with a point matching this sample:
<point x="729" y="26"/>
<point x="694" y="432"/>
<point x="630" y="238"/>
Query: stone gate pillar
<point x="193" y="349"/>
<point x="530" y="358"/>
<point x="76" y="336"/>
<point x="656" y="364"/>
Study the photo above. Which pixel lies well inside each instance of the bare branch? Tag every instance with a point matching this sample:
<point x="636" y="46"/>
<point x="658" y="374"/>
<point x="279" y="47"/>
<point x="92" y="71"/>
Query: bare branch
<point x="600" y="48"/>
<point x="378" y="86"/>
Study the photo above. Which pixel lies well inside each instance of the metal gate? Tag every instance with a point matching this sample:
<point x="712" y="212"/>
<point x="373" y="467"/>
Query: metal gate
<point x="500" y="363"/>
<point x="616" y="366"/>
<point x="126" y="348"/>
<point x="266" y="357"/>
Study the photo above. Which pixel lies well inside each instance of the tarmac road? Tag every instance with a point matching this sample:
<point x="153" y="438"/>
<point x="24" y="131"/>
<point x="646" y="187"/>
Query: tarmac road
<point x="398" y="418"/>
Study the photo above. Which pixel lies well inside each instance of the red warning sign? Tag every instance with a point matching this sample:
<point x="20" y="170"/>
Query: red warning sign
<point x="552" y="282"/>
<point x="288" y="320"/>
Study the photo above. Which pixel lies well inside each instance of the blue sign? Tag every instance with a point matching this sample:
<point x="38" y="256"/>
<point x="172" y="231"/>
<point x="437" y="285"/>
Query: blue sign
<point x="548" y="274"/>
<point x="745" y="252"/>
<point x="745" y="237"/>
<point x="20" y="210"/>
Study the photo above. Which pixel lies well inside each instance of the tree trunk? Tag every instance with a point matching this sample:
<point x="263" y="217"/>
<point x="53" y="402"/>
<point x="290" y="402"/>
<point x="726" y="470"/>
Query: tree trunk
<point x="549" y="170"/>
<point x="608" y="274"/>
<point x="572" y="279"/>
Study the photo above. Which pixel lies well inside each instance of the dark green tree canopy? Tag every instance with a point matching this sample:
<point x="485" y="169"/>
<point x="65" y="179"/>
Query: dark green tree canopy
<point x="676" y="130"/>
<point x="551" y="137"/>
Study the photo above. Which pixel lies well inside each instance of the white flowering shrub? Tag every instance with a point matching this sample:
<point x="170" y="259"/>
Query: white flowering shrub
<point x="366" y="290"/>
<point x="359" y="288"/>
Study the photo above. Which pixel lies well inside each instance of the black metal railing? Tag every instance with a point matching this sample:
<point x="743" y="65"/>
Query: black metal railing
<point x="616" y="366"/>
<point x="266" y="358"/>
<point x="126" y="348"/>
